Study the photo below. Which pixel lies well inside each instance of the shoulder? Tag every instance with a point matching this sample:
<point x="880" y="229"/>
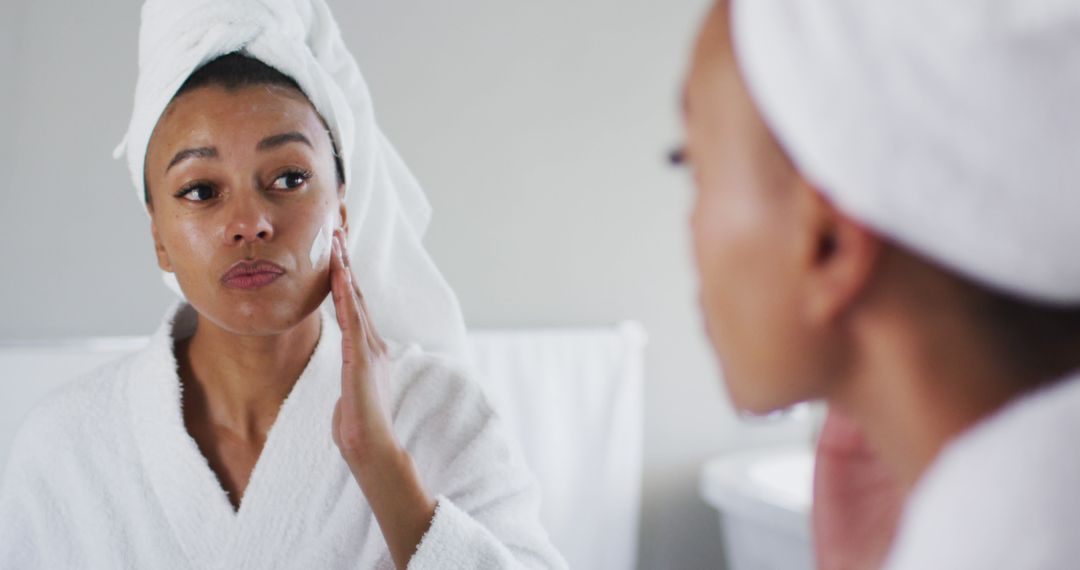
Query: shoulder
<point x="459" y="442"/>
<point x="438" y="410"/>
<point x="75" y="413"/>
<point x="1018" y="465"/>
<point x="98" y="398"/>
<point x="424" y="379"/>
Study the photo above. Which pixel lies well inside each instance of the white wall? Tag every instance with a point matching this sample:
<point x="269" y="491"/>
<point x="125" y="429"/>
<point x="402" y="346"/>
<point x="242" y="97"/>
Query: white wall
<point x="538" y="129"/>
<point x="7" y="59"/>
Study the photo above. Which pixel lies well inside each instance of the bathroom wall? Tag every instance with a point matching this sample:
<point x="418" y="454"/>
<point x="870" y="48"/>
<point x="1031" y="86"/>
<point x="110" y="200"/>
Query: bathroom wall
<point x="8" y="42"/>
<point x="538" y="129"/>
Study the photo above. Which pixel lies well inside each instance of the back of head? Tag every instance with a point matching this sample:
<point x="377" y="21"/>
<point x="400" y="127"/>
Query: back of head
<point x="950" y="129"/>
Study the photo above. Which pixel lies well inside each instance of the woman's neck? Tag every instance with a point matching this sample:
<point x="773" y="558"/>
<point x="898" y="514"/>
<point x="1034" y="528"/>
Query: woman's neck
<point x="916" y="387"/>
<point x="239" y="382"/>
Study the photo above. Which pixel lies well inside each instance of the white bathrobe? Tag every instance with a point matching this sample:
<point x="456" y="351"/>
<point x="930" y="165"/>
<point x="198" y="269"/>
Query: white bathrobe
<point x="1005" y="494"/>
<point x="104" y="474"/>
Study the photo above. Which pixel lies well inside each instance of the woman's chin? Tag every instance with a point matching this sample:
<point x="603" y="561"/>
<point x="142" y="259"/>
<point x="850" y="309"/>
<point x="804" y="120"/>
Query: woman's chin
<point x="259" y="314"/>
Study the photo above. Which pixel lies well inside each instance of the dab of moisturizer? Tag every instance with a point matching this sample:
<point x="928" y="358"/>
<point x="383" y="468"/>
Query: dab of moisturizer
<point x="320" y="247"/>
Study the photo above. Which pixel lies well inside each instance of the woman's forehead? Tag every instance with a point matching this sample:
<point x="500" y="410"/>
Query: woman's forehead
<point x="241" y="115"/>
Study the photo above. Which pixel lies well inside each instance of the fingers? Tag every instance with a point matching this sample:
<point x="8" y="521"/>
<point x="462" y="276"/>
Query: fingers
<point x="352" y="311"/>
<point x="345" y="304"/>
<point x="370" y="333"/>
<point x="362" y="427"/>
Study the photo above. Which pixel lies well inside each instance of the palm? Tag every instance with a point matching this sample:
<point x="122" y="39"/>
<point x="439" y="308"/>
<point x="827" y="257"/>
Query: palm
<point x="857" y="501"/>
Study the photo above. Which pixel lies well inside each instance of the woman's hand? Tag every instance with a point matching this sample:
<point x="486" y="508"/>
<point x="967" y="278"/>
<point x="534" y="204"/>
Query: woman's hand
<point x="857" y="502"/>
<point x="361" y="426"/>
<point x="362" y="430"/>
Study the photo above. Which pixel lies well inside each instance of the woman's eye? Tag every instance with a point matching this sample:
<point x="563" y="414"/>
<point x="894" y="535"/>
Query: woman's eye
<point x="291" y="180"/>
<point x="197" y="193"/>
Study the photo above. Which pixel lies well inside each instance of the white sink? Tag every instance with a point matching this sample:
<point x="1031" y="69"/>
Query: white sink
<point x="763" y="498"/>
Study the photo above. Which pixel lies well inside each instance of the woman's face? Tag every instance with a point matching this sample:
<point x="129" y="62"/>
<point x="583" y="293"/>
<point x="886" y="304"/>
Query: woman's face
<point x="244" y="176"/>
<point x="751" y="235"/>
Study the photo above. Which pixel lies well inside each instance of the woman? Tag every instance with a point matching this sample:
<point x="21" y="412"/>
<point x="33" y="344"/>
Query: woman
<point x="261" y="428"/>
<point x="886" y="220"/>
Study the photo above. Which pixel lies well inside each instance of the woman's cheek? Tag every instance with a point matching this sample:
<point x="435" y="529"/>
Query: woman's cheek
<point x="191" y="248"/>
<point x="319" y="252"/>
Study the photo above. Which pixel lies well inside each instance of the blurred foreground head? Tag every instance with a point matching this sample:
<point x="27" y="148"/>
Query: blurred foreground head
<point x="871" y="170"/>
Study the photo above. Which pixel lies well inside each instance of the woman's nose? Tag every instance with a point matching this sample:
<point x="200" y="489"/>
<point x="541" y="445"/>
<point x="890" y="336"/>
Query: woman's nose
<point x="249" y="221"/>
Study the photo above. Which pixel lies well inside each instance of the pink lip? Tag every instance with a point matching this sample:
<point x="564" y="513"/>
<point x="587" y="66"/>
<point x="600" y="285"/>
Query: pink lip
<point x="252" y="274"/>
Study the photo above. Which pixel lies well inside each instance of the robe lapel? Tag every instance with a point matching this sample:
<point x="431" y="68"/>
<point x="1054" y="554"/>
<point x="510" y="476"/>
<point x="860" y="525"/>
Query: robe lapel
<point x="298" y="463"/>
<point x="190" y="496"/>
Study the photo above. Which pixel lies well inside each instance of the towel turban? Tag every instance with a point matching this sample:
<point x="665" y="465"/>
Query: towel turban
<point x="950" y="126"/>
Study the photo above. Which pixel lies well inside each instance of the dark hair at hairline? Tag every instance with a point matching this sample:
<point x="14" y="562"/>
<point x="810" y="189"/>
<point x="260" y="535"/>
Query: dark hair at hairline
<point x="234" y="71"/>
<point x="1038" y="341"/>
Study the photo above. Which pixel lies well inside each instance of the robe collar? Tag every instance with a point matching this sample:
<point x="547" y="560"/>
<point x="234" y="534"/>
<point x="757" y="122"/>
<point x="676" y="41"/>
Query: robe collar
<point x="299" y="454"/>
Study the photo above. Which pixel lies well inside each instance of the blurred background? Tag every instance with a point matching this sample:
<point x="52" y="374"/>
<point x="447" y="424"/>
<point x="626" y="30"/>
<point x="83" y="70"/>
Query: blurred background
<point x="539" y="130"/>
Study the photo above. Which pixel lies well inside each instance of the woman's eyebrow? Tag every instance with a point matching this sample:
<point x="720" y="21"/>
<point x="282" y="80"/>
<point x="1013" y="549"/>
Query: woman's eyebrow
<point x="274" y="141"/>
<point x="270" y="142"/>
<point x="201" y="152"/>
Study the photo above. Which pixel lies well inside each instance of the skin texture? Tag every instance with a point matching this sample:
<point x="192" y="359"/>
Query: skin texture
<point x="801" y="302"/>
<point x="250" y="346"/>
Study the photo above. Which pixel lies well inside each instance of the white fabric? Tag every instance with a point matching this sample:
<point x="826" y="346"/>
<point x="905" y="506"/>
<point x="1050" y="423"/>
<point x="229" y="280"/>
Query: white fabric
<point x="30" y="370"/>
<point x="104" y="475"/>
<point x="1002" y="495"/>
<point x="388" y="212"/>
<point x="573" y="398"/>
<point x="949" y="126"/>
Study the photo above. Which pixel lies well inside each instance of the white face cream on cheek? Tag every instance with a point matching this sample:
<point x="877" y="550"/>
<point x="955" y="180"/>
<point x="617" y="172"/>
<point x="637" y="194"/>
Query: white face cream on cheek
<point x="320" y="247"/>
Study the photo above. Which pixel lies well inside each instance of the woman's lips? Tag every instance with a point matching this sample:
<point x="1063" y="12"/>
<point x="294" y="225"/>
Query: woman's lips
<point x="252" y="274"/>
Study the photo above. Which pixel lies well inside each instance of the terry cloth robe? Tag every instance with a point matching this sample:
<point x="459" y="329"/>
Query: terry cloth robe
<point x="103" y="474"/>
<point x="1005" y="494"/>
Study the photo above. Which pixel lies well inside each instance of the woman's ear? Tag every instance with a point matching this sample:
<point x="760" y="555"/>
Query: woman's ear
<point x="159" y="250"/>
<point x="343" y="210"/>
<point x="842" y="257"/>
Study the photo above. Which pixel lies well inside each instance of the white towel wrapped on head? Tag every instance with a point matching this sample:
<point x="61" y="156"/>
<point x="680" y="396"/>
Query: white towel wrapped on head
<point x="948" y="126"/>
